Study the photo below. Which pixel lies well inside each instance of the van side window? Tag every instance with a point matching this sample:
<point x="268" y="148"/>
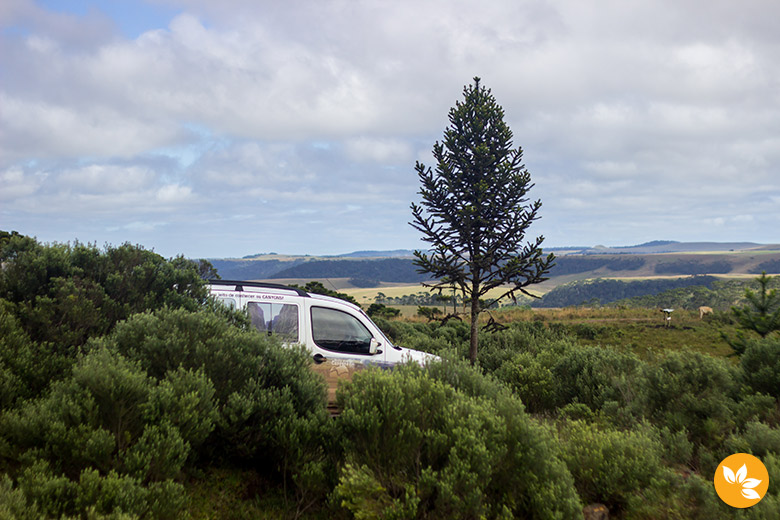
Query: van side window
<point x="339" y="331"/>
<point x="280" y="319"/>
<point x="228" y="302"/>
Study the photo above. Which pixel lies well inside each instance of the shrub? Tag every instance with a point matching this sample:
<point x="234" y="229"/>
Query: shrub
<point x="272" y="405"/>
<point x="415" y="447"/>
<point x="610" y="466"/>
<point x="62" y="295"/>
<point x="689" y="391"/>
<point x="107" y="438"/>
<point x="760" y="366"/>
<point x="550" y="372"/>
<point x="380" y="309"/>
<point x="20" y="367"/>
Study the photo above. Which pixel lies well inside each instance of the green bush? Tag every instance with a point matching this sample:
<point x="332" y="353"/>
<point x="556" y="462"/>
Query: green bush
<point x="93" y="495"/>
<point x="760" y="364"/>
<point x="610" y="466"/>
<point x="272" y="405"/>
<point x="554" y="372"/>
<point x="107" y="438"/>
<point x="13" y="502"/>
<point x="19" y="362"/>
<point x="415" y="447"/>
<point x="522" y="336"/>
<point x="689" y="391"/>
<point x="60" y="296"/>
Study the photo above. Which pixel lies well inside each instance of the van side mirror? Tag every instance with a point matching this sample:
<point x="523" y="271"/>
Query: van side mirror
<point x="373" y="346"/>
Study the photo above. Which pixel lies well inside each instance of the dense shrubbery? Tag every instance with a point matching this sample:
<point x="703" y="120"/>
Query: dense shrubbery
<point x="107" y="424"/>
<point x="417" y="447"/>
<point x="55" y="297"/>
<point x="120" y="385"/>
<point x="628" y="428"/>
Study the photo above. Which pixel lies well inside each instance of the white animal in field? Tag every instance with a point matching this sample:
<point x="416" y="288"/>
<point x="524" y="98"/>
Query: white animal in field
<point x="704" y="310"/>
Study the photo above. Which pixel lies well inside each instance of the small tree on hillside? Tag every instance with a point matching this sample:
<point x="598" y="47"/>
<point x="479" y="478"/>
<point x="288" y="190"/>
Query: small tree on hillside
<point x="761" y="314"/>
<point x="474" y="210"/>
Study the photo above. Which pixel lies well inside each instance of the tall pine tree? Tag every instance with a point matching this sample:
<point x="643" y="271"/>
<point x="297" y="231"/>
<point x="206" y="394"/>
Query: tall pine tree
<point x="474" y="211"/>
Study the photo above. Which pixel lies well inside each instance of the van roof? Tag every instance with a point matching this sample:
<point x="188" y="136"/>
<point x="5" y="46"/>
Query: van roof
<point x="238" y="285"/>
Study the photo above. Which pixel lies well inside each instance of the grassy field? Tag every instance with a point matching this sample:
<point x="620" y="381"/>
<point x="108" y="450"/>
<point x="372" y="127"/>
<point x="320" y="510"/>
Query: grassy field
<point x="642" y="331"/>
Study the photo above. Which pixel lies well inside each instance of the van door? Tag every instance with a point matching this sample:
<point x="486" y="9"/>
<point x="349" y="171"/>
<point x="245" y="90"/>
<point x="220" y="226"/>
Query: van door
<point x="339" y="334"/>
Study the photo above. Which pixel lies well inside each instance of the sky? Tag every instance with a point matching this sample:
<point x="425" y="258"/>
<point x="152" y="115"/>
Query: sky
<point x="224" y="129"/>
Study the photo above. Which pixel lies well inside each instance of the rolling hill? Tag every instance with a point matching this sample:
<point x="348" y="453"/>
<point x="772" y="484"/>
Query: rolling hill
<point x="650" y="260"/>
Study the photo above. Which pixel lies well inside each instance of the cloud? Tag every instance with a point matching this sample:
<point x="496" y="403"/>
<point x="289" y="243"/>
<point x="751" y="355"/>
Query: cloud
<point x="650" y="116"/>
<point x="15" y="183"/>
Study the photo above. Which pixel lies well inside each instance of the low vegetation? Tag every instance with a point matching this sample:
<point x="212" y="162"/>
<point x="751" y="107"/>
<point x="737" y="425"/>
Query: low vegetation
<point x="125" y="393"/>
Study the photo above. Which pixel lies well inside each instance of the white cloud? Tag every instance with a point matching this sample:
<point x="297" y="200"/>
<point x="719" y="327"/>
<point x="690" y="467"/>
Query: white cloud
<point x="173" y="193"/>
<point x="365" y="149"/>
<point x="633" y="113"/>
<point x="16" y="183"/>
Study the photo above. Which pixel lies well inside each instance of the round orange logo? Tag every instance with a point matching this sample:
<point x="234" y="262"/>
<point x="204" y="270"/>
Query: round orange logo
<point x="741" y="480"/>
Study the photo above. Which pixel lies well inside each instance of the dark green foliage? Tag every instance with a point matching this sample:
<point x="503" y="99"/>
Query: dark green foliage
<point x="379" y="309"/>
<point x="610" y="466"/>
<point x="316" y="287"/>
<point x="693" y="267"/>
<point x="207" y="271"/>
<point x="548" y="371"/>
<point x="262" y="389"/>
<point x="762" y="312"/>
<point x="608" y="291"/>
<point x="384" y="269"/>
<point x="759" y="315"/>
<point x="22" y="367"/>
<point x="689" y="392"/>
<point x="61" y="295"/>
<point x="760" y="365"/>
<point x="364" y="282"/>
<point x="105" y="433"/>
<point x="415" y="447"/>
<point x="475" y="212"/>
<point x="579" y="264"/>
<point x="430" y="313"/>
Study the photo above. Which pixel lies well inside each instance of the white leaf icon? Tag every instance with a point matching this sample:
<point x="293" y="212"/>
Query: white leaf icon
<point x="729" y="475"/>
<point x="751" y="483"/>
<point x="751" y="494"/>
<point x="741" y="474"/>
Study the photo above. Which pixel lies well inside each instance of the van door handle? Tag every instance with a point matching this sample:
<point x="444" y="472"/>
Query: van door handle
<point x="319" y="358"/>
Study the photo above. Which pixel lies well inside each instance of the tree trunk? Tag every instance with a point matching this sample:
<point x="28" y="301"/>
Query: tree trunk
<point x="474" y="326"/>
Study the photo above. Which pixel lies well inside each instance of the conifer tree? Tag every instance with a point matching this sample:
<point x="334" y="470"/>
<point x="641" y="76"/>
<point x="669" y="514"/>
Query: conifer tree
<point x="475" y="211"/>
<point x="761" y="314"/>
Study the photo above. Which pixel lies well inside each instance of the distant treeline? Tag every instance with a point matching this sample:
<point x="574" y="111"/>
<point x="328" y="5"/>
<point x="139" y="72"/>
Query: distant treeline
<point x="384" y="270"/>
<point x="693" y="267"/>
<point x="770" y="266"/>
<point x="579" y="264"/>
<point x="591" y="292"/>
<point x="250" y="269"/>
<point x="369" y="272"/>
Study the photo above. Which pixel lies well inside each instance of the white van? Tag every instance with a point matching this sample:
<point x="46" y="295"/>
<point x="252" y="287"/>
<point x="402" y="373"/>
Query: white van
<point x="340" y="336"/>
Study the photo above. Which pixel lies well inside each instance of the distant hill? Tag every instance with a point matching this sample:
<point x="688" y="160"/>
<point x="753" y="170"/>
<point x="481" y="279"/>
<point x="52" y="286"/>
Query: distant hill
<point x="669" y="246"/>
<point x="652" y="259"/>
<point x="396" y="253"/>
